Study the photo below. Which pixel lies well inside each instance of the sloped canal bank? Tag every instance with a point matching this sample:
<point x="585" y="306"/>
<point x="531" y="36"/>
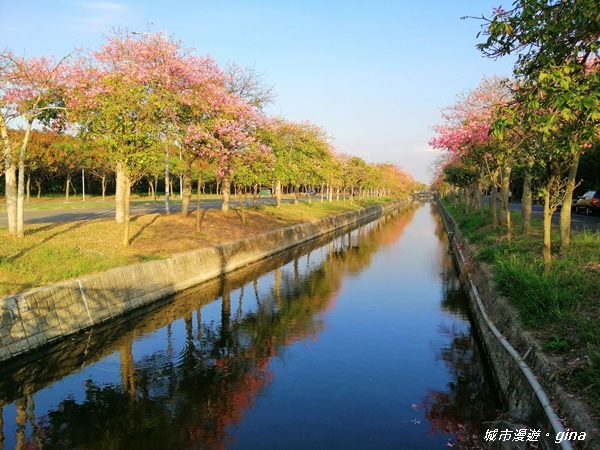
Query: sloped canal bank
<point x="357" y="341"/>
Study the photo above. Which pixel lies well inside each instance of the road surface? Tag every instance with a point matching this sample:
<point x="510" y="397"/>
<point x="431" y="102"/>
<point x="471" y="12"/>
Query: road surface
<point x="578" y="222"/>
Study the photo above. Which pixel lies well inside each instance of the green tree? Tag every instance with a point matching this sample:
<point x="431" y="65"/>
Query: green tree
<point x="557" y="43"/>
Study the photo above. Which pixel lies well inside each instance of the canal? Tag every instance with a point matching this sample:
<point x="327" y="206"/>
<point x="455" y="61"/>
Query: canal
<point x="360" y="340"/>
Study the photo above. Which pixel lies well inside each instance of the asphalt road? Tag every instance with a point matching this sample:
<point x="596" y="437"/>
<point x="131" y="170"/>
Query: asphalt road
<point x="578" y="222"/>
<point x="91" y="213"/>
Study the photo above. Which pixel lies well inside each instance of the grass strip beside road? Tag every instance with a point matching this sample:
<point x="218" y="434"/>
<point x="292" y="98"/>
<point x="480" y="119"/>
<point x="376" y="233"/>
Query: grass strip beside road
<point x="54" y="252"/>
<point x="561" y="308"/>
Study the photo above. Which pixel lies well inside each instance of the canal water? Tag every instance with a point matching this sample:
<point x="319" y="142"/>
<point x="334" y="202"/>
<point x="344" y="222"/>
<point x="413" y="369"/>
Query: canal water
<point x="360" y="340"/>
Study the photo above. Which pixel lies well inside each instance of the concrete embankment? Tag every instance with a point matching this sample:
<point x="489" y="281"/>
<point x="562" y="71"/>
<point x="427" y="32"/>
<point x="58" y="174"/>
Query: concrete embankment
<point x="34" y="318"/>
<point x="522" y="371"/>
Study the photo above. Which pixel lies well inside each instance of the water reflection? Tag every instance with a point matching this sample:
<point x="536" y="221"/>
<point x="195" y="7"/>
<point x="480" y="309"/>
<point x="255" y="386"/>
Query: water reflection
<point x="188" y="371"/>
<point x="457" y="410"/>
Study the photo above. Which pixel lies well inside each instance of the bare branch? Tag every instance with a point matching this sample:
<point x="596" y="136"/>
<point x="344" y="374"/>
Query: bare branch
<point x="249" y="85"/>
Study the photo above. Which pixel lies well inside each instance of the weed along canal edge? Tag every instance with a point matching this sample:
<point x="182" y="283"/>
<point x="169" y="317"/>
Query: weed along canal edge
<point x="47" y="314"/>
<point x="522" y="371"/>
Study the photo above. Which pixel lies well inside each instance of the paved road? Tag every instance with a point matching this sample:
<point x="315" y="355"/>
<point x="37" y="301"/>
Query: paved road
<point x="578" y="222"/>
<point x="68" y="215"/>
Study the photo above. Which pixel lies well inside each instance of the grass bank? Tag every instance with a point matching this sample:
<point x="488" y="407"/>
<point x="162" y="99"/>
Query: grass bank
<point x="57" y="251"/>
<point x="561" y="308"/>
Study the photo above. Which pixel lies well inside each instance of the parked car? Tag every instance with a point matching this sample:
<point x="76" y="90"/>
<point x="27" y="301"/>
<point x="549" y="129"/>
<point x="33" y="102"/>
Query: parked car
<point x="573" y="203"/>
<point x="588" y="203"/>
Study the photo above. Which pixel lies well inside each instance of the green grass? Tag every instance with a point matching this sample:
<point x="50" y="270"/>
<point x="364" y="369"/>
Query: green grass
<point x="562" y="305"/>
<point x="49" y="253"/>
<point x="43" y="264"/>
<point x="556" y="344"/>
<point x="542" y="299"/>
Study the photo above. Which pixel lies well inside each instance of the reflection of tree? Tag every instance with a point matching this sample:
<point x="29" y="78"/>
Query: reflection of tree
<point x="1" y="427"/>
<point x="188" y="398"/>
<point x="357" y="247"/>
<point x="107" y="418"/>
<point x="470" y="397"/>
<point x="440" y="230"/>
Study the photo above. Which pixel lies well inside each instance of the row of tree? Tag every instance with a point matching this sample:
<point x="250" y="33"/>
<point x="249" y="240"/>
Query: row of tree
<point x="58" y="163"/>
<point x="539" y="122"/>
<point x="144" y="105"/>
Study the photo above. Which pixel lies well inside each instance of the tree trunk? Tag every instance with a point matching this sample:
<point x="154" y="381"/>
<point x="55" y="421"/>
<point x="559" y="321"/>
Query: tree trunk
<point x="38" y="184"/>
<point x="21" y="180"/>
<point x="242" y="206"/>
<point x="198" y="202"/>
<point x="67" y="187"/>
<point x="479" y="195"/>
<point x="526" y="199"/>
<point x="565" y="212"/>
<point x="120" y="193"/>
<point x="504" y="189"/>
<point x="10" y="175"/>
<point x="186" y="189"/>
<point x="255" y="194"/>
<point x="28" y="188"/>
<point x="296" y="194"/>
<point x="226" y="193"/>
<point x="547" y="249"/>
<point x="10" y="179"/>
<point x="126" y="210"/>
<point x="494" y="206"/>
<point x="103" y="178"/>
<point x="151" y="189"/>
<point x="277" y="193"/>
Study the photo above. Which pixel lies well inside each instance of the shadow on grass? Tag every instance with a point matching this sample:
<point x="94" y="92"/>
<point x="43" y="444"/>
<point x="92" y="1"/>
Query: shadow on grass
<point x="201" y="221"/>
<point x="23" y="251"/>
<point x="240" y="211"/>
<point x="141" y="230"/>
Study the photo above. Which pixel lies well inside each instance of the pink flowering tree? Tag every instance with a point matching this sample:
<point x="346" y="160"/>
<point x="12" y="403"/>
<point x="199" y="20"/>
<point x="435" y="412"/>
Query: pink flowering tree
<point x="395" y="182"/>
<point x="467" y="134"/>
<point x="30" y="90"/>
<point x="132" y="96"/>
<point x="229" y="138"/>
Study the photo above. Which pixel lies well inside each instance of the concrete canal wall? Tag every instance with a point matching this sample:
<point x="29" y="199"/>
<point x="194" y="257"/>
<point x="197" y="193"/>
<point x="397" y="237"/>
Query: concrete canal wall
<point x="31" y="319"/>
<point x="522" y="371"/>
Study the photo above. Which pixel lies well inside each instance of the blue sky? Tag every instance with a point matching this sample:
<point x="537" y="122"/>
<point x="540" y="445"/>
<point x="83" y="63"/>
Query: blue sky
<point x="374" y="73"/>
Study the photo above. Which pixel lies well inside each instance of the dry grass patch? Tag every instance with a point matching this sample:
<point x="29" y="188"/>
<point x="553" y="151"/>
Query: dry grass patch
<point x="53" y="252"/>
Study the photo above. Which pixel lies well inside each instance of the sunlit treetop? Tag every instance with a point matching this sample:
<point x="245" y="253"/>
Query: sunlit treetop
<point x="29" y="86"/>
<point x="468" y="122"/>
<point x="543" y="32"/>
